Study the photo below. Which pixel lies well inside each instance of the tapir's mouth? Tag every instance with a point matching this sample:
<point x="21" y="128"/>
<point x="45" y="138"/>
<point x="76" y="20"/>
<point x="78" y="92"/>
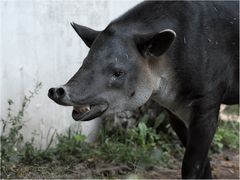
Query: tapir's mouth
<point x="88" y="112"/>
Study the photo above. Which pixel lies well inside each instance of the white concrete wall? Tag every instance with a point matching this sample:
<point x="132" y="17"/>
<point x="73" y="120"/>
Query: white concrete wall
<point x="37" y="43"/>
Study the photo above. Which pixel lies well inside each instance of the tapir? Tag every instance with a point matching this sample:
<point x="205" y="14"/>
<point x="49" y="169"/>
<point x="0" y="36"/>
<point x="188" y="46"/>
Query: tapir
<point x="182" y="54"/>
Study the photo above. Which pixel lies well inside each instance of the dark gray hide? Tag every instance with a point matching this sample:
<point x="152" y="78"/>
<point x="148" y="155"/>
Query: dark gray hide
<point x="184" y="55"/>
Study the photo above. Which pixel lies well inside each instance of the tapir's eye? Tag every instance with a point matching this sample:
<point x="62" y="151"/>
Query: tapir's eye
<point x="118" y="74"/>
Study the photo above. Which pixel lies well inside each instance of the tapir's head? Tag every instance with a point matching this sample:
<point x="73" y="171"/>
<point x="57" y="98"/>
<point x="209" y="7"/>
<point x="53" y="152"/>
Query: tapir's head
<point x="117" y="73"/>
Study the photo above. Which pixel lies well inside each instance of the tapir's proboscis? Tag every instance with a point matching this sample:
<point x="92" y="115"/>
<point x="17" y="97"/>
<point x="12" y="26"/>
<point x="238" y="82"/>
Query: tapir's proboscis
<point x="182" y="54"/>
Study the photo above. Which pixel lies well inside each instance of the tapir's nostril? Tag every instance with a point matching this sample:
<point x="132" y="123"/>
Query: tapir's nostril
<point x="51" y="92"/>
<point x="56" y="93"/>
<point x="60" y="92"/>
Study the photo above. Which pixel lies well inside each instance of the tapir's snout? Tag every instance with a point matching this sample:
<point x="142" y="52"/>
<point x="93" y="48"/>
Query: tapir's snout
<point x="58" y="95"/>
<point x="84" y="109"/>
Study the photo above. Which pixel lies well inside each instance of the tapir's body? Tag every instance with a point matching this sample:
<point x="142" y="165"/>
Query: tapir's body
<point x="184" y="55"/>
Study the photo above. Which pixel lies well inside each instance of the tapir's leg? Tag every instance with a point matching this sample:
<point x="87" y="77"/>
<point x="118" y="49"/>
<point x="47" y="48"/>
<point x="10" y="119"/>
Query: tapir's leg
<point x="179" y="127"/>
<point x="207" y="171"/>
<point x="200" y="134"/>
<point x="181" y="131"/>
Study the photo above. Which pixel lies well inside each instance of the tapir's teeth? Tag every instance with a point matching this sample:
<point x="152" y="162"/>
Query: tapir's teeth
<point x="82" y="109"/>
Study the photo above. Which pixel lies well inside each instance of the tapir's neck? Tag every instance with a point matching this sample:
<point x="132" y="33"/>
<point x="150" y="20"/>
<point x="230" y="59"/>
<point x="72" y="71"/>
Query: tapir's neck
<point x="166" y="90"/>
<point x="166" y="87"/>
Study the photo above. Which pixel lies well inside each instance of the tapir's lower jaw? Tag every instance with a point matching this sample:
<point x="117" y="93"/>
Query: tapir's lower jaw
<point x="90" y="112"/>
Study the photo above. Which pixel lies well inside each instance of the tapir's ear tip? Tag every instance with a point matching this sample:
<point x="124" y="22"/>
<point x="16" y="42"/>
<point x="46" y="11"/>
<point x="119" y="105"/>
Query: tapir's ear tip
<point x="86" y="34"/>
<point x="72" y="24"/>
<point x="76" y="27"/>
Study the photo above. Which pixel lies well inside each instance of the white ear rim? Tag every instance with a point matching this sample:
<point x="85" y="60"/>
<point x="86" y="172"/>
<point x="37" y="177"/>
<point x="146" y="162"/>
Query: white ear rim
<point x="169" y="30"/>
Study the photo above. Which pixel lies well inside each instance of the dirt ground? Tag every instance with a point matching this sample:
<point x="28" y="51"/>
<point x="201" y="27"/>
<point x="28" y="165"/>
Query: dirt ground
<point x="224" y="166"/>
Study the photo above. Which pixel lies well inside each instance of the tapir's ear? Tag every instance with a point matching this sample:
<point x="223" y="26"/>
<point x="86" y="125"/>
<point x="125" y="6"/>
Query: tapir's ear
<point x="88" y="35"/>
<point x="155" y="44"/>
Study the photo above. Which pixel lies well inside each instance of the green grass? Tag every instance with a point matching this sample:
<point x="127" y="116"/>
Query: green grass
<point x="227" y="136"/>
<point x="141" y="148"/>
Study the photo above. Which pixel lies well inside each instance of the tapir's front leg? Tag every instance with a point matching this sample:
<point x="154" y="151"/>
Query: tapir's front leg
<point x="200" y="134"/>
